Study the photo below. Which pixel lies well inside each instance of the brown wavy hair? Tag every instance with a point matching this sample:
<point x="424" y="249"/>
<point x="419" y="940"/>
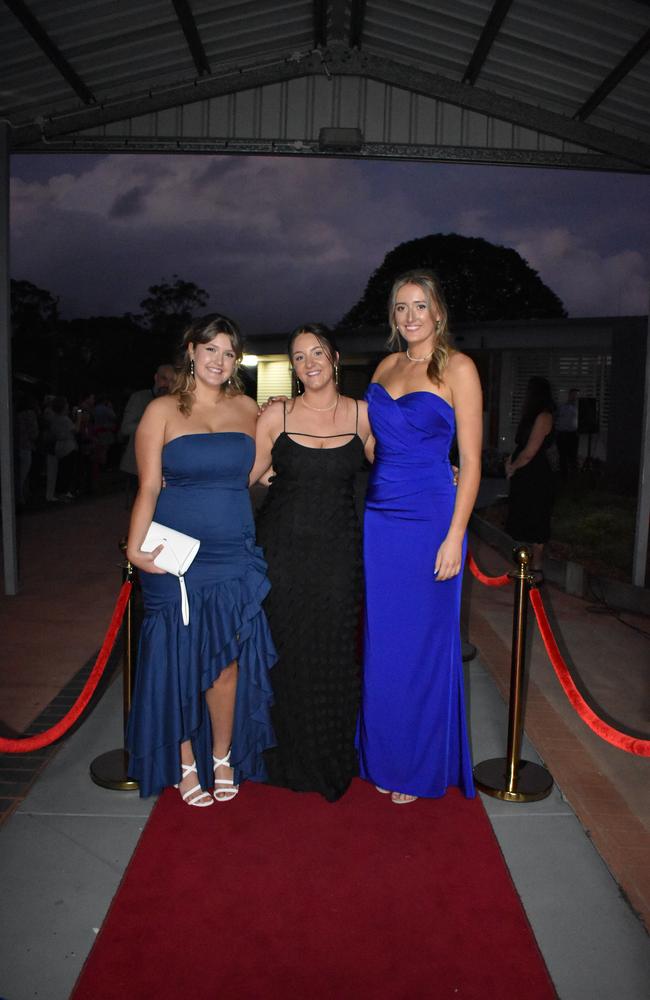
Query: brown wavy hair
<point x="202" y="331"/>
<point x="430" y="285"/>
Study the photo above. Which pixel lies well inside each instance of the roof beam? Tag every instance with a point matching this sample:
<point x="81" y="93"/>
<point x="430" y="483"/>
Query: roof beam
<point x="320" y="23"/>
<point x="612" y="80"/>
<point x="371" y="150"/>
<point x="192" y="37"/>
<point x="486" y="102"/>
<point x="357" y="14"/>
<point x="490" y="31"/>
<point x="344" y="63"/>
<point x="337" y="20"/>
<point x="21" y="11"/>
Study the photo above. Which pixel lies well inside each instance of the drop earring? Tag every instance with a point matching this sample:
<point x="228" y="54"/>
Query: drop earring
<point x="192" y="367"/>
<point x="336" y="375"/>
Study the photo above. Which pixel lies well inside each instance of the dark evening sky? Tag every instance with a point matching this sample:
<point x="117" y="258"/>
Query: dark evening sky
<point x="278" y="241"/>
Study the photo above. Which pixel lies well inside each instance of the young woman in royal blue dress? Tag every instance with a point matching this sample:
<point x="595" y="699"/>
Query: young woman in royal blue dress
<point x="412" y="736"/>
<point x="200" y="717"/>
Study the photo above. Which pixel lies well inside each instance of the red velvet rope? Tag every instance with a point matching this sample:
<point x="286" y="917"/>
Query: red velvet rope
<point x="55" y="732"/>
<point x="606" y="732"/>
<point x="489" y="581"/>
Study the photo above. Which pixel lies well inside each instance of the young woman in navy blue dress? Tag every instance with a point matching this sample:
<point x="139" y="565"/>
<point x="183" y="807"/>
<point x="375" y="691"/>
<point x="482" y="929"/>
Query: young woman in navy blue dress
<point x="200" y="717"/>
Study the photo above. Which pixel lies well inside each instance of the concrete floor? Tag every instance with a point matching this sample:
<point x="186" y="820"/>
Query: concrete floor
<point x="65" y="848"/>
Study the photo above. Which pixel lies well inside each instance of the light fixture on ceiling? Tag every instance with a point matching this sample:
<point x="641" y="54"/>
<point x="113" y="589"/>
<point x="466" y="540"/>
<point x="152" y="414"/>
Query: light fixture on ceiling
<point x="345" y="140"/>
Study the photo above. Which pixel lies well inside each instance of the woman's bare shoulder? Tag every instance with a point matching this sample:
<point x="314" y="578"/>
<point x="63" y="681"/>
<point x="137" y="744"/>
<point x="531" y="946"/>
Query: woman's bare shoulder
<point x="248" y="405"/>
<point x="272" y="416"/>
<point x="161" y="408"/>
<point x="460" y="364"/>
<point x="386" y="365"/>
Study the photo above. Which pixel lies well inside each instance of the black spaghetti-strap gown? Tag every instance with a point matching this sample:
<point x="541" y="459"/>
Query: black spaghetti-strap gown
<point x="311" y="537"/>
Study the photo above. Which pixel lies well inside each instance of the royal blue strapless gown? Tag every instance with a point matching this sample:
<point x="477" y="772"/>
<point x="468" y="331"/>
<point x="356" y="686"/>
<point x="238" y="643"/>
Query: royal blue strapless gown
<point x="206" y="496"/>
<point x="412" y="734"/>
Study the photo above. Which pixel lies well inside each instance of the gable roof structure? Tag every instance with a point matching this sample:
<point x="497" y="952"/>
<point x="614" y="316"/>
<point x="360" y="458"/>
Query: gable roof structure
<point x="562" y="83"/>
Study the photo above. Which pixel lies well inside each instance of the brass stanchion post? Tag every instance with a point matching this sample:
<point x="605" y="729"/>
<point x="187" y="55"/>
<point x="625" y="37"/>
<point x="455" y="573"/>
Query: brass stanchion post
<point x="510" y="777"/>
<point x="110" y="769"/>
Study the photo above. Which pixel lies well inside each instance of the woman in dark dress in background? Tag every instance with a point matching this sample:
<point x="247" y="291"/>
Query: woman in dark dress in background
<point x="530" y="474"/>
<point x="309" y="531"/>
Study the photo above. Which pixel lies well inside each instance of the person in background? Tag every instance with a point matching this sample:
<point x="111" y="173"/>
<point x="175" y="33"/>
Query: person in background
<point x="137" y="403"/>
<point x="27" y="431"/>
<point x="566" y="434"/>
<point x="104" y="427"/>
<point x="530" y="473"/>
<point x="48" y="442"/>
<point x="84" y="416"/>
<point x="65" y="432"/>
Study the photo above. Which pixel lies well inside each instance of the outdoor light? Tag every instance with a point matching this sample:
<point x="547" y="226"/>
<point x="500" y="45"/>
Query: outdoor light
<point x="342" y="139"/>
<point x="250" y="360"/>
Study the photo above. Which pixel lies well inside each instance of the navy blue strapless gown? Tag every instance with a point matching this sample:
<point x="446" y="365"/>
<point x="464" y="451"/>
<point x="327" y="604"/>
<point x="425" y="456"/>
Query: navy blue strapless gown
<point x="412" y="734"/>
<point x="206" y="496"/>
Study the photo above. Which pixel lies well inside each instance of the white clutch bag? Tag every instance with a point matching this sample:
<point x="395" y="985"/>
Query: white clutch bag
<point x="176" y="556"/>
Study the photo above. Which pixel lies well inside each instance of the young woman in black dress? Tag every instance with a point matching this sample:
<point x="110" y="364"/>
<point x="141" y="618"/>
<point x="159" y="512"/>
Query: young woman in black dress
<point x="310" y="534"/>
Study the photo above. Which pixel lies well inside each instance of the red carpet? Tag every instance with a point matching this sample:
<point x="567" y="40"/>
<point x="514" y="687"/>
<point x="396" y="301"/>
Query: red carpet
<point x="278" y="895"/>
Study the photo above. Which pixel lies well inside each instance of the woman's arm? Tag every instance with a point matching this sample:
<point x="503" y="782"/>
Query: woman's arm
<point x="365" y="431"/>
<point x="149" y="440"/>
<point x="467" y="398"/>
<point x="266" y="431"/>
<point x="541" y="428"/>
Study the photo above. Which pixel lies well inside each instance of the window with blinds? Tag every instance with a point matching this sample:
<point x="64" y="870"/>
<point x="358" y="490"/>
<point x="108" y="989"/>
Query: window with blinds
<point x="273" y="378"/>
<point x="588" y="373"/>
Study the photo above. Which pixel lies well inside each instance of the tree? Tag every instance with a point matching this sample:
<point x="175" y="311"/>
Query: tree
<point x="171" y="305"/>
<point x="34" y="323"/>
<point x="33" y="310"/>
<point x="481" y="281"/>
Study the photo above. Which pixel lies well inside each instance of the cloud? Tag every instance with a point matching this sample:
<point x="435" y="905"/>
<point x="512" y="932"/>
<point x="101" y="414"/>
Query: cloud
<point x="128" y="204"/>
<point x="278" y="239"/>
<point x="589" y="282"/>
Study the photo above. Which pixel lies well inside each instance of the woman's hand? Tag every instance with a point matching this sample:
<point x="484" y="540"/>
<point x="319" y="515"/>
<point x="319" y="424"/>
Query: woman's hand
<point x="145" y="560"/>
<point x="509" y="469"/>
<point x="449" y="559"/>
<point x="270" y="401"/>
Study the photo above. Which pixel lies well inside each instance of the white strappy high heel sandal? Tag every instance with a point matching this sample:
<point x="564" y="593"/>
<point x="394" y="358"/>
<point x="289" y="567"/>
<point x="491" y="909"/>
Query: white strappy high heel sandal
<point x="193" y="796"/>
<point x="223" y="794"/>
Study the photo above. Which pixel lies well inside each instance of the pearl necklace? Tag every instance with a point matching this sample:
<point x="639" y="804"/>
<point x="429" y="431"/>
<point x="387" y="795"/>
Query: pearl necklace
<point x="320" y="409"/>
<point x="427" y="358"/>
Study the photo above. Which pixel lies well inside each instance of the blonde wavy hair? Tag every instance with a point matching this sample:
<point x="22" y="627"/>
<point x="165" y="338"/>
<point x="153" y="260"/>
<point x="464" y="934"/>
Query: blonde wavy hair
<point x="202" y="331"/>
<point x="430" y="285"/>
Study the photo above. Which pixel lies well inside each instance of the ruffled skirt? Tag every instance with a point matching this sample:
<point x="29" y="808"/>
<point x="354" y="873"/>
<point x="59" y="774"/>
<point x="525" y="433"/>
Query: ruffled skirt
<point x="177" y="664"/>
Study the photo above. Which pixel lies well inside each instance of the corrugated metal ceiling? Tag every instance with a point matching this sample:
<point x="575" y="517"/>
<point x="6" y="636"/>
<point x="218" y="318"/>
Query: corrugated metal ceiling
<point x="587" y="62"/>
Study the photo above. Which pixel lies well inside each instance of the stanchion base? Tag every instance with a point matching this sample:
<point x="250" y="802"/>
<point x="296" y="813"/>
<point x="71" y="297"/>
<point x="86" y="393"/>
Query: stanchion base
<point x="533" y="781"/>
<point x="109" y="771"/>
